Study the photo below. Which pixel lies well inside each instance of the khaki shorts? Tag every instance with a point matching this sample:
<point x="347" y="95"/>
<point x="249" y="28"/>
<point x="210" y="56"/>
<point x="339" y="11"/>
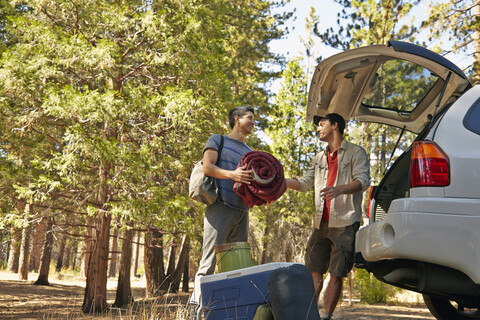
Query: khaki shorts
<point x="331" y="248"/>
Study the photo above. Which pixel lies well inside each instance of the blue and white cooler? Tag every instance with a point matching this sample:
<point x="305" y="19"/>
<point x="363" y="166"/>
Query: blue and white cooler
<point x="237" y="294"/>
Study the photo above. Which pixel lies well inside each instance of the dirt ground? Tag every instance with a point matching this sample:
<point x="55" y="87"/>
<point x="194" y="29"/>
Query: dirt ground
<point x="63" y="298"/>
<point x="382" y="312"/>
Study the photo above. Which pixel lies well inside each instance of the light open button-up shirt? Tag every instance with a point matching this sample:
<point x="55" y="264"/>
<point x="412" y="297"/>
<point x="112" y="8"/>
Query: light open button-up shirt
<point x="345" y="209"/>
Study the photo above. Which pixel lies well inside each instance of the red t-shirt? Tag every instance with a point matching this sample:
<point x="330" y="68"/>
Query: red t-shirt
<point x="332" y="176"/>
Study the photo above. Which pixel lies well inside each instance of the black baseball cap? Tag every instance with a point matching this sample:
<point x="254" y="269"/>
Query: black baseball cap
<point x="334" y="118"/>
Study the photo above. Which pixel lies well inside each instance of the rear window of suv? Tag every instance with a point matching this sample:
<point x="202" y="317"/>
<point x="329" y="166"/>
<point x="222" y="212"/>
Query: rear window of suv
<point x="472" y="118"/>
<point x="400" y="85"/>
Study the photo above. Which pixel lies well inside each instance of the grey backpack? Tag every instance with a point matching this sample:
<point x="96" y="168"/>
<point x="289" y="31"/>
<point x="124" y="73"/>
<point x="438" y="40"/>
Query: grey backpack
<point x="202" y="188"/>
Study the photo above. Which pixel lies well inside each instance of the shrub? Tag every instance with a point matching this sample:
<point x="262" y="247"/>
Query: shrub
<point x="371" y="289"/>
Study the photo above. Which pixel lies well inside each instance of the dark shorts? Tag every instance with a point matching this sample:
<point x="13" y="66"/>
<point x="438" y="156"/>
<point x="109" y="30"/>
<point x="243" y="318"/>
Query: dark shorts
<point x="331" y="249"/>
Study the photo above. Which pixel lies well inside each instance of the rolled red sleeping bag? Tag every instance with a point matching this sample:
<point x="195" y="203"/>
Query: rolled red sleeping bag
<point x="269" y="182"/>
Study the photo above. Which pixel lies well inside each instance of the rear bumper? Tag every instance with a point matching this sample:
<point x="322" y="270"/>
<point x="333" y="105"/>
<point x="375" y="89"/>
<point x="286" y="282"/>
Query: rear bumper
<point x="410" y="232"/>
<point x="427" y="278"/>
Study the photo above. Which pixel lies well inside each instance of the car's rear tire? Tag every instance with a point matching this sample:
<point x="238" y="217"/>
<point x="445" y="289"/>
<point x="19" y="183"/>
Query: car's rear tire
<point x="444" y="309"/>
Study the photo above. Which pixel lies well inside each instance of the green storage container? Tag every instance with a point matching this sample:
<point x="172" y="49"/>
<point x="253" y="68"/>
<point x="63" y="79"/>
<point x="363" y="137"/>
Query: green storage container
<point x="233" y="256"/>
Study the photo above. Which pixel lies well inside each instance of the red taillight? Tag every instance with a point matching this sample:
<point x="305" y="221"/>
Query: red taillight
<point x="429" y="165"/>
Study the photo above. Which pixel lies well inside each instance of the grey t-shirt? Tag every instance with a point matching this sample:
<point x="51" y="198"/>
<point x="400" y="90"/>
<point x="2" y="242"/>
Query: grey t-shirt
<point x="232" y="152"/>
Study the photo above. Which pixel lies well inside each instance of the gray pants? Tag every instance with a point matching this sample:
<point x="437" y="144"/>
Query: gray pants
<point x="221" y="224"/>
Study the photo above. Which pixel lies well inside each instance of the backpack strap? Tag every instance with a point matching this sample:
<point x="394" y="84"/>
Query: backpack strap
<point x="220" y="147"/>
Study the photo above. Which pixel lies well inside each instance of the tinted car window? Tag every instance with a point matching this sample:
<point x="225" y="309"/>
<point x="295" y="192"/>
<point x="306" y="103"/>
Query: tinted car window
<point x="400" y="85"/>
<point x="472" y="118"/>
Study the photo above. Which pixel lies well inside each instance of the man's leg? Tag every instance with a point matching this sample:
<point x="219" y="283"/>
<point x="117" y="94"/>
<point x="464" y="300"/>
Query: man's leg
<point x="220" y="223"/>
<point x="317" y="256"/>
<point x="341" y="262"/>
<point x="238" y="231"/>
<point x="317" y="283"/>
<point x="332" y="293"/>
<point x="215" y="223"/>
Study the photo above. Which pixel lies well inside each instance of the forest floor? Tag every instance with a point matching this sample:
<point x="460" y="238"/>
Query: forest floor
<point x="63" y="298"/>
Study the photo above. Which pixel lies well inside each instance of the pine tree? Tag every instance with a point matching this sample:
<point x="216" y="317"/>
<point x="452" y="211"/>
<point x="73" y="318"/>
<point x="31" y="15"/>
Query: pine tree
<point x="457" y="21"/>
<point x="105" y="105"/>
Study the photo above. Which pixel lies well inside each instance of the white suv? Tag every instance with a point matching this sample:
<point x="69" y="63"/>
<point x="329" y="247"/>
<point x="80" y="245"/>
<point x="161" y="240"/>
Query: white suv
<point x="424" y="231"/>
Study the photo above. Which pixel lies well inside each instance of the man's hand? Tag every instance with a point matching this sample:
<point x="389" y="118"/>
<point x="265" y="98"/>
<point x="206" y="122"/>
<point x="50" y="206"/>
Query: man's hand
<point x="330" y="193"/>
<point x="242" y="175"/>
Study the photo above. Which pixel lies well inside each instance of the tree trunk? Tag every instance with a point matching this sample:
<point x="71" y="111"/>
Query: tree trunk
<point x="186" y="271"/>
<point x="153" y="260"/>
<point x="74" y="256"/>
<point x="37" y="246"/>
<point x="46" y="256"/>
<point x="61" y="254"/>
<point x="25" y="248"/>
<point x="87" y="246"/>
<point x="14" y="255"/>
<point x="67" y="256"/>
<point x="95" y="299"/>
<point x="113" y="261"/>
<point x="124" y="292"/>
<point x="24" y="253"/>
<point x="4" y="244"/>
<point x="137" y="253"/>
<point x="171" y="260"/>
<point x="383" y="152"/>
<point x="378" y="155"/>
<point x="176" y="276"/>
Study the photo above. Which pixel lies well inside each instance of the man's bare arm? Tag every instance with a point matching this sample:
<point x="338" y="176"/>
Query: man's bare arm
<point x="210" y="169"/>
